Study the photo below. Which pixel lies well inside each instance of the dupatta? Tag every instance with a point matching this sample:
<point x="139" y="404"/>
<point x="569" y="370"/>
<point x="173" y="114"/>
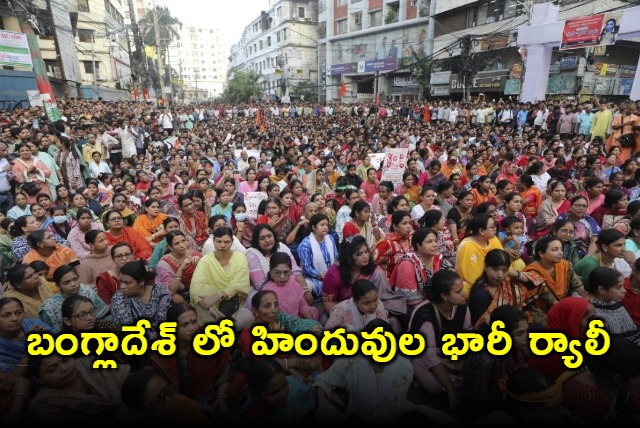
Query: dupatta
<point x="559" y="285"/>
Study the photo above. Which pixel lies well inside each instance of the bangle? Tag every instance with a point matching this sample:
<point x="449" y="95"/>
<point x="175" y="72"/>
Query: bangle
<point x="518" y="277"/>
<point x="177" y="277"/>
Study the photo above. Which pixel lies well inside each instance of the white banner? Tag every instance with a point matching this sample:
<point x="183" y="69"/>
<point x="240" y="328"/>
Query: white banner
<point x="14" y="50"/>
<point x="251" y="201"/>
<point x="395" y="163"/>
<point x="376" y="159"/>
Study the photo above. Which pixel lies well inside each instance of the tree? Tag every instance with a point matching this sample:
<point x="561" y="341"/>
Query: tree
<point x="166" y="30"/>
<point x="307" y="89"/>
<point x="421" y="72"/>
<point x="241" y="85"/>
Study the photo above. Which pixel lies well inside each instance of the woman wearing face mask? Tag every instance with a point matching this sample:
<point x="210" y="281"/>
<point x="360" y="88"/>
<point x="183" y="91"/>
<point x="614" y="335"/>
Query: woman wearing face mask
<point x="68" y="281"/>
<point x="175" y="269"/>
<point x="61" y="224"/>
<point x="241" y="224"/>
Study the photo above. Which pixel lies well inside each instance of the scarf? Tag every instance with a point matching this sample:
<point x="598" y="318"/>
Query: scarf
<point x="558" y="286"/>
<point x="359" y="320"/>
<point x="31" y="305"/>
<point x="264" y="263"/>
<point x="319" y="261"/>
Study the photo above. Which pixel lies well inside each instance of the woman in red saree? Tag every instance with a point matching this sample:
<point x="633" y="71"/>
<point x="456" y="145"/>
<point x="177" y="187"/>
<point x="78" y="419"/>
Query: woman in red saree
<point x="390" y="250"/>
<point x="107" y="282"/>
<point x="508" y="172"/>
<point x="194" y="222"/>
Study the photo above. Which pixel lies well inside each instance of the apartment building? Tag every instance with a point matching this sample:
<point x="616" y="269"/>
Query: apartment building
<point x="281" y="45"/>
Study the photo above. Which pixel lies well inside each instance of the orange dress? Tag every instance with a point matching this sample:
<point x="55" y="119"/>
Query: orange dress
<point x="532" y="207"/>
<point x="61" y="256"/>
<point x="146" y="227"/>
<point x="614" y="139"/>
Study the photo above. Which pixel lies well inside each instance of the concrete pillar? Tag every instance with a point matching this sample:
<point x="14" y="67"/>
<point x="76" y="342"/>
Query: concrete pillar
<point x="635" y="88"/>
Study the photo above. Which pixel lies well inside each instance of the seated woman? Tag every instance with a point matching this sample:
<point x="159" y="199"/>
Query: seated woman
<point x="216" y="222"/>
<point x="108" y="282"/>
<point x="389" y="251"/>
<point x="45" y="248"/>
<point x="221" y="279"/>
<point x="612" y="210"/>
<point x="266" y="311"/>
<point x="362" y="223"/>
<point x="121" y="204"/>
<point x="170" y="224"/>
<point x="204" y="379"/>
<point x="611" y="254"/>
<point x="435" y="220"/>
<point x="149" y="224"/>
<point x="66" y="278"/>
<point x="446" y="311"/>
<point x="356" y="262"/>
<point x="61" y="224"/>
<point x="276" y="216"/>
<point x="175" y="269"/>
<point x="13" y="335"/>
<point x="22" y="227"/>
<point x="27" y="287"/>
<point x="136" y="299"/>
<point x="194" y="222"/>
<point x="77" y="235"/>
<point x="291" y="296"/>
<point x="97" y="261"/>
<point x="555" y="275"/>
<point x="377" y="393"/>
<point x="606" y="292"/>
<point x="317" y="253"/>
<point x="264" y="244"/>
<point x="485" y="374"/>
<point x="499" y="286"/>
<point x="73" y="393"/>
<point x="117" y="233"/>
<point x="355" y="313"/>
<point x="413" y="274"/>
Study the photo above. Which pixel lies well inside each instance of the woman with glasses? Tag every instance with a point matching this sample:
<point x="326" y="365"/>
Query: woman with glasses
<point x="481" y="238"/>
<point x="117" y="232"/>
<point x="138" y="299"/>
<point x="586" y="229"/>
<point x="121" y="204"/>
<point x="291" y="296"/>
<point x="67" y="279"/>
<point x="564" y="230"/>
<point x="45" y="248"/>
<point x="108" y="282"/>
<point x="149" y="224"/>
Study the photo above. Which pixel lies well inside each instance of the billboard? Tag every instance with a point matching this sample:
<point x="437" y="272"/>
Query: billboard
<point x="14" y="50"/>
<point x="593" y="30"/>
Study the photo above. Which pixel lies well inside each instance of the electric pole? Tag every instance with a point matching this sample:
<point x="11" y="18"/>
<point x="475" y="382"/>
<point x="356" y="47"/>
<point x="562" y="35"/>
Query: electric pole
<point x="93" y="65"/>
<point x="156" y="30"/>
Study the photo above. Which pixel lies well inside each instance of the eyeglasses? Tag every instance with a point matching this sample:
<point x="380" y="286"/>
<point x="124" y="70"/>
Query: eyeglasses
<point x="115" y="219"/>
<point x="567" y="231"/>
<point x="85" y="315"/>
<point x="122" y="256"/>
<point x="279" y="273"/>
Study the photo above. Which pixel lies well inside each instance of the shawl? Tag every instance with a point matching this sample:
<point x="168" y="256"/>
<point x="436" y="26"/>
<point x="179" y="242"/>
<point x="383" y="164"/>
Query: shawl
<point x="547" y="215"/>
<point x="558" y="286"/>
<point x="359" y="320"/>
<point x="102" y="404"/>
<point x="423" y="275"/>
<point x="319" y="261"/>
<point x="31" y="305"/>
<point x="173" y="264"/>
<point x="196" y="227"/>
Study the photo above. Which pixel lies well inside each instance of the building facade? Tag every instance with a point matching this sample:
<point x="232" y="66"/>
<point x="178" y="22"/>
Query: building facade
<point x="281" y="44"/>
<point x="199" y="58"/>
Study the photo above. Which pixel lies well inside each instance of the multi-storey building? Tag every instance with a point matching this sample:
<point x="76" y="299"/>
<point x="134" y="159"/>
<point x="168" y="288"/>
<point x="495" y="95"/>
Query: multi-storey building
<point x="281" y="45"/>
<point x="200" y="58"/>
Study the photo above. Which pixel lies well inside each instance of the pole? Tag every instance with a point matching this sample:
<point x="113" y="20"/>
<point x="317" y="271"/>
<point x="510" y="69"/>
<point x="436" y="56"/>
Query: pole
<point x="39" y="69"/>
<point x="376" y="87"/>
<point x="181" y="84"/>
<point x="195" y="74"/>
<point x="431" y="30"/>
<point x="156" y="30"/>
<point x="93" y="65"/>
<point x="170" y="74"/>
<point x="65" y="84"/>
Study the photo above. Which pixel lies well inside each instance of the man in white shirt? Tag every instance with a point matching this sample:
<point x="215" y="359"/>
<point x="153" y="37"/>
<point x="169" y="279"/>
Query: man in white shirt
<point x="166" y="120"/>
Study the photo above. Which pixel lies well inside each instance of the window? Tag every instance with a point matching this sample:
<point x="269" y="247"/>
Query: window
<point x="83" y="5"/>
<point x="284" y="34"/>
<point x="493" y="11"/>
<point x="215" y="77"/>
<point x="375" y="18"/>
<point x="301" y="12"/>
<point x="356" y="21"/>
<point x="341" y="26"/>
<point x="279" y="12"/>
<point x="278" y="37"/>
<point x="341" y="2"/>
<point x="260" y="43"/>
<point x="85" y="36"/>
<point x="268" y="41"/>
<point x="88" y="67"/>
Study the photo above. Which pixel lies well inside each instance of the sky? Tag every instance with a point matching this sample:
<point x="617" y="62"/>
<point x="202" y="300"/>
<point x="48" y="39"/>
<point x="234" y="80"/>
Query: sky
<point x="232" y="16"/>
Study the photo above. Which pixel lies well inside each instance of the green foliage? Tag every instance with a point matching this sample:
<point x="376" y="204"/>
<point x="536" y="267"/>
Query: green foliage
<point x="166" y="24"/>
<point x="241" y="85"/>
<point x="421" y="72"/>
<point x="306" y="88"/>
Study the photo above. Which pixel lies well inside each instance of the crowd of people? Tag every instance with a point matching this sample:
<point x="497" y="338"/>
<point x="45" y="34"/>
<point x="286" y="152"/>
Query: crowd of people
<point x="523" y="213"/>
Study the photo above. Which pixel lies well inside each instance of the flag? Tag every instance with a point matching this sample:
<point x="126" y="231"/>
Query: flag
<point x="343" y="89"/>
<point x="260" y="119"/>
<point x="377" y="101"/>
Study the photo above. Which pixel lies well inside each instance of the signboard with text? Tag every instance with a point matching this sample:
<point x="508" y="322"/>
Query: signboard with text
<point x="252" y="201"/>
<point x="588" y="31"/>
<point x="14" y="50"/>
<point x="380" y="65"/>
<point x="338" y="69"/>
<point x="395" y="163"/>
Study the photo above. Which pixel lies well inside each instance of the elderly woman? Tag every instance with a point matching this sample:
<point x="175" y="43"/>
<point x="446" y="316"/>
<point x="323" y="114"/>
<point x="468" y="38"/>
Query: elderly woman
<point x="117" y="233"/>
<point x="45" y="248"/>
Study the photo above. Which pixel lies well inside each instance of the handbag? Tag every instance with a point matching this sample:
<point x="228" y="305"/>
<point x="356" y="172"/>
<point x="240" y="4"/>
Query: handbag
<point x="628" y="140"/>
<point x="229" y="307"/>
<point x="31" y="188"/>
